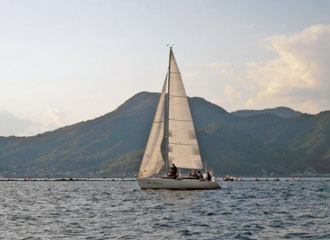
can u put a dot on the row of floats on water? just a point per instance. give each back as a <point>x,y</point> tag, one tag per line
<point>230,178</point>
<point>67,179</point>
<point>226,178</point>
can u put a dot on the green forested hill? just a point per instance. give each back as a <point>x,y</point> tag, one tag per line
<point>113,144</point>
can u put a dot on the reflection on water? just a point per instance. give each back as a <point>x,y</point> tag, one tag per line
<point>103,210</point>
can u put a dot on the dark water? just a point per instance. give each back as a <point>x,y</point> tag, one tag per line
<point>119,210</point>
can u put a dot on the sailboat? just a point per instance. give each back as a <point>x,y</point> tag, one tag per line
<point>173,121</point>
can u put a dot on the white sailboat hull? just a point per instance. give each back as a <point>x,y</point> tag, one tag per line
<point>177,184</point>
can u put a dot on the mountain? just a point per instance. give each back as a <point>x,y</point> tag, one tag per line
<point>113,144</point>
<point>283,112</point>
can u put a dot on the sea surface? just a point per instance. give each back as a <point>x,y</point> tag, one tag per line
<point>120,210</point>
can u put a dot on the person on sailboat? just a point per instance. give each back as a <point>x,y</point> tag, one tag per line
<point>208,176</point>
<point>199,175</point>
<point>174,171</point>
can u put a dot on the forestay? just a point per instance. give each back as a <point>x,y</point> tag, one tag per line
<point>152,161</point>
<point>183,145</point>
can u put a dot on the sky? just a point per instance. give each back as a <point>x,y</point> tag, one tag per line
<point>62,62</point>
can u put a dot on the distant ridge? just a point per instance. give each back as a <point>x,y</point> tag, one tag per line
<point>283,112</point>
<point>113,144</point>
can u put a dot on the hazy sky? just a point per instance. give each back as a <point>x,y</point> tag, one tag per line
<point>66,61</point>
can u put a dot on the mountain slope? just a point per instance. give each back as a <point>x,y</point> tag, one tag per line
<point>87,145</point>
<point>114,143</point>
<point>283,112</point>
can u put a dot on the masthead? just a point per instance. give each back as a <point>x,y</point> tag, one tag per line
<point>170,46</point>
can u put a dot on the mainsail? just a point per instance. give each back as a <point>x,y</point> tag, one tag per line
<point>152,161</point>
<point>183,148</point>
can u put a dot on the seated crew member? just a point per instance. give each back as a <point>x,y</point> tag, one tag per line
<point>199,175</point>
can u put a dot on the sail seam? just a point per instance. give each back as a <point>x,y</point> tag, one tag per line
<point>178,96</point>
<point>184,144</point>
<point>180,120</point>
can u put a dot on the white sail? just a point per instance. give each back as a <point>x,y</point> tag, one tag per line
<point>183,146</point>
<point>152,161</point>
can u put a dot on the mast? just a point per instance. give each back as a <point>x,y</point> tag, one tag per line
<point>168,109</point>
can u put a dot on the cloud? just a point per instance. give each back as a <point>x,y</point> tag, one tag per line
<point>232,94</point>
<point>223,67</point>
<point>50,120</point>
<point>11,125</point>
<point>300,74</point>
<point>190,75</point>
<point>53,119</point>
<point>232,85</point>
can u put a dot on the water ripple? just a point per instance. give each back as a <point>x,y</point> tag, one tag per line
<point>119,210</point>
